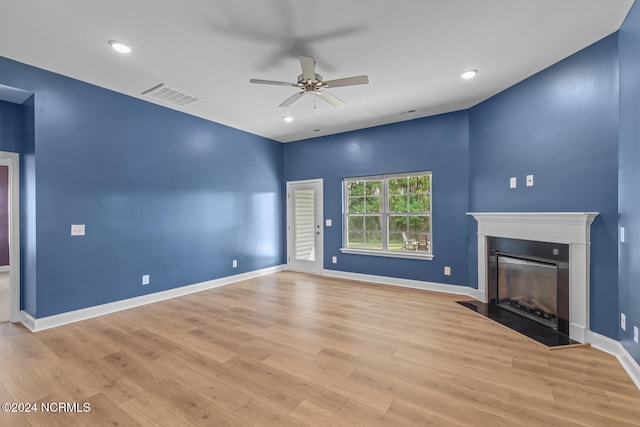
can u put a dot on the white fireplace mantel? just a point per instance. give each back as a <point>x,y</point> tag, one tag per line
<point>571,228</point>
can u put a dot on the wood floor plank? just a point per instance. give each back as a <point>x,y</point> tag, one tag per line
<point>288,383</point>
<point>256,413</point>
<point>344,386</point>
<point>296,349</point>
<point>309,413</point>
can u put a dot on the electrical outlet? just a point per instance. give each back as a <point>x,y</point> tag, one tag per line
<point>513,182</point>
<point>77,229</point>
<point>447,271</point>
<point>635,334</point>
<point>623,321</point>
<point>334,259</point>
<point>235,263</point>
<point>145,279</point>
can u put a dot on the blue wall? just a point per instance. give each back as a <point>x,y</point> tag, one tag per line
<point>629,177</point>
<point>161,193</point>
<point>10,127</point>
<point>561,125</point>
<point>438,144</point>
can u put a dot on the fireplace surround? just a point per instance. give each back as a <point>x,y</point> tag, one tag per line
<point>566,228</point>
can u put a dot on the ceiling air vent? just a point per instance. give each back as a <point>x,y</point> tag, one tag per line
<point>169,95</point>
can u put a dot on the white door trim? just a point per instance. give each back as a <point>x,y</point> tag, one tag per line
<point>12,160</point>
<point>319,253</point>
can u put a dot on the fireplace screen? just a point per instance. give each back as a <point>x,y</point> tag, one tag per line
<point>529,288</point>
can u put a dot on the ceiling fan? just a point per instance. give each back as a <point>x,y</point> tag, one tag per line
<point>311,82</point>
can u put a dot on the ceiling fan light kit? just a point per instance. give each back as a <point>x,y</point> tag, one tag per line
<point>311,82</point>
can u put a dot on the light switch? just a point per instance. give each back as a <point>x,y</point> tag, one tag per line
<point>529,180</point>
<point>327,223</point>
<point>621,234</point>
<point>513,182</point>
<point>77,229</point>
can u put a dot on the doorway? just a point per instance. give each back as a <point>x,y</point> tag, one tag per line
<point>9,238</point>
<point>305,239</point>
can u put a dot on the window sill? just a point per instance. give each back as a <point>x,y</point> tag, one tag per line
<point>391,254</point>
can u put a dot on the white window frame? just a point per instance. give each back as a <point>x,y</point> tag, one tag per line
<point>385,219</point>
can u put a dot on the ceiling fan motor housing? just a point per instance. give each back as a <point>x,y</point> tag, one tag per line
<point>310,86</point>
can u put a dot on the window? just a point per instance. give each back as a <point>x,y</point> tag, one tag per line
<point>388,215</point>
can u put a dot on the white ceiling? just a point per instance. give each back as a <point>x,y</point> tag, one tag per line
<point>412,50</point>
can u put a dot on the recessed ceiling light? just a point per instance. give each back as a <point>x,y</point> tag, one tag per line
<point>469,74</point>
<point>287,119</point>
<point>119,46</point>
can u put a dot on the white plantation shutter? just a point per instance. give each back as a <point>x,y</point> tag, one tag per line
<point>304,223</point>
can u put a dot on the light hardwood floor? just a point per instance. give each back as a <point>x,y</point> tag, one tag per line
<point>294,349</point>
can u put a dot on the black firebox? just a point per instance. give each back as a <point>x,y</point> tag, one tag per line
<point>530,279</point>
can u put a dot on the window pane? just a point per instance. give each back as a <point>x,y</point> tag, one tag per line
<point>399,234</point>
<point>304,224</point>
<point>355,188</point>
<point>373,223</point>
<point>396,242</point>
<point>398,185</point>
<point>373,240</point>
<point>419,203</point>
<point>356,239</point>
<point>398,223</point>
<point>356,223</point>
<point>420,184</point>
<point>374,188</point>
<point>373,205</point>
<point>419,224</point>
<point>398,204</point>
<point>355,205</point>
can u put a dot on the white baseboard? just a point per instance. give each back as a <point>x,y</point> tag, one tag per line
<point>40,324</point>
<point>615,348</point>
<point>28,320</point>
<point>407,283</point>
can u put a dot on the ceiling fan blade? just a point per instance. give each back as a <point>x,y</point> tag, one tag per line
<point>347,81</point>
<point>293,98</point>
<point>327,97</point>
<point>272,82</point>
<point>308,67</point>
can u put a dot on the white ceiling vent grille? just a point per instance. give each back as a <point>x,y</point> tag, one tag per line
<point>169,95</point>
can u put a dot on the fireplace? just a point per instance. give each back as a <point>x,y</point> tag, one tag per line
<point>530,279</point>
<point>570,229</point>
